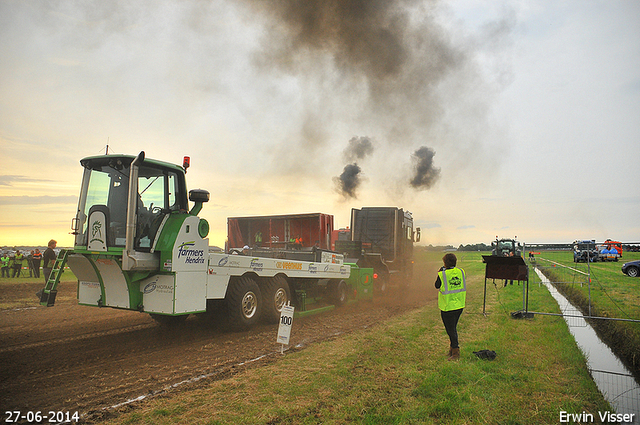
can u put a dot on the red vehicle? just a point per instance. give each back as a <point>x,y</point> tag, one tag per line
<point>290,231</point>
<point>340,235</point>
<point>613,245</point>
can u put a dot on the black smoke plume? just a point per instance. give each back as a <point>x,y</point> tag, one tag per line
<point>425,173</point>
<point>349,180</point>
<point>399,63</point>
<point>400,60</point>
<point>359,148</point>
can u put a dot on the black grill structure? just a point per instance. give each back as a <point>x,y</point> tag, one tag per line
<point>507,268</point>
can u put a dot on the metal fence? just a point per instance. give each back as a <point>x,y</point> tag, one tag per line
<point>616,383</point>
<point>620,389</point>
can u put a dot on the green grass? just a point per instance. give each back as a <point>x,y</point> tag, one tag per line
<point>19,292</point>
<point>612,292</point>
<point>397,373</point>
<point>609,293</point>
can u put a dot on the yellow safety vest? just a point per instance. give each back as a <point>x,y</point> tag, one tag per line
<point>453,291</point>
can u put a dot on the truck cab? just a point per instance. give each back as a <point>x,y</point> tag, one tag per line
<point>125,204</point>
<point>585,251</point>
<point>134,233</point>
<point>382,238</point>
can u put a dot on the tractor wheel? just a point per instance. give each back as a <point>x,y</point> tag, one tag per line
<point>633,272</point>
<point>165,320</point>
<point>216,312</point>
<point>244,303</point>
<point>276,294</point>
<point>339,293</point>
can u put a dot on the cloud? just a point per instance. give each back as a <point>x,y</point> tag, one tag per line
<point>430,226</point>
<point>37,200</point>
<point>8,180</point>
<point>466,227</point>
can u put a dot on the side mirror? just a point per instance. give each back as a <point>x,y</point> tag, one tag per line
<point>417,234</point>
<point>199,195</point>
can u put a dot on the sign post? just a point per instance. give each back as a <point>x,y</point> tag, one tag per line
<point>284,329</point>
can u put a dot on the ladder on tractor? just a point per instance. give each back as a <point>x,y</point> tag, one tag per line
<point>48,294</point>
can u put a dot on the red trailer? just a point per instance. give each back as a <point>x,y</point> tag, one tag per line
<point>290,231</point>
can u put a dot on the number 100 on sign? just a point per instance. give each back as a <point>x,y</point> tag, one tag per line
<point>286,320</point>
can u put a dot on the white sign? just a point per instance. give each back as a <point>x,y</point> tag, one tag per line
<point>286,320</point>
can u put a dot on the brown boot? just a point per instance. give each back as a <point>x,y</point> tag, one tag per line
<point>455,355</point>
<point>450,351</point>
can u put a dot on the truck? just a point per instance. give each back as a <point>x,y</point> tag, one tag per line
<point>585,251</point>
<point>610,250</point>
<point>343,234</point>
<point>382,238</point>
<point>139,245</point>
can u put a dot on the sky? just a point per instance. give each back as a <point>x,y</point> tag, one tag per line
<point>508,118</point>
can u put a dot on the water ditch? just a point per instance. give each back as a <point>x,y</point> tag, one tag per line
<point>613,379</point>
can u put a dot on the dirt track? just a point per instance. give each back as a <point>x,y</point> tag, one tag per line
<point>73,358</point>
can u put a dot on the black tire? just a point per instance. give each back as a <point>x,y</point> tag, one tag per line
<point>339,293</point>
<point>408,276</point>
<point>381,284</point>
<point>276,294</point>
<point>165,320</point>
<point>244,302</point>
<point>633,271</point>
<point>216,312</point>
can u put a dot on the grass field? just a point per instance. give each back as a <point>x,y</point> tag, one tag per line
<point>603,290</point>
<point>613,293</point>
<point>20,292</point>
<point>397,372</point>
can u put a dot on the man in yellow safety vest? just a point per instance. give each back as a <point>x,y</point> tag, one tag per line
<point>17,263</point>
<point>452,294</point>
<point>4,264</point>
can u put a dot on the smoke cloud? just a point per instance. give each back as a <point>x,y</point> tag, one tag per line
<point>349,180</point>
<point>372,53</point>
<point>359,148</point>
<point>426,174</point>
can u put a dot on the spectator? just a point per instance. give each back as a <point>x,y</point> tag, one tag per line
<point>452,287</point>
<point>49,258</point>
<point>17,263</point>
<point>30,263</point>
<point>37,259</point>
<point>4,263</point>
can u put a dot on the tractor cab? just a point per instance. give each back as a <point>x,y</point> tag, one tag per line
<point>506,248</point>
<point>125,202</point>
<point>133,232</point>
